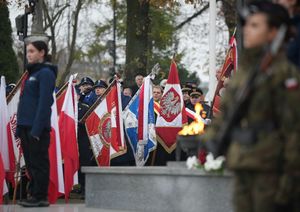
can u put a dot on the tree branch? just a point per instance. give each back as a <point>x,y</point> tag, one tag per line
<point>179,26</point>
<point>73,42</point>
<point>195,15</point>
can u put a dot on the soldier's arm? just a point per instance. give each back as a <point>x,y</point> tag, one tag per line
<point>288,115</point>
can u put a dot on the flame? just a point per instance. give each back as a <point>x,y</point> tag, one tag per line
<point>197,126</point>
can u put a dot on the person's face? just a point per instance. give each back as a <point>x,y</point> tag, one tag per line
<point>195,99</point>
<point>257,32</point>
<point>139,80</point>
<point>99,91</point>
<point>201,98</point>
<point>85,88</point>
<point>157,93</point>
<point>288,4</point>
<point>34,55</point>
<point>127,92</point>
<point>186,96</point>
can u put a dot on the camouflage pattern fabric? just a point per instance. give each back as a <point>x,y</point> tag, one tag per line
<point>266,142</point>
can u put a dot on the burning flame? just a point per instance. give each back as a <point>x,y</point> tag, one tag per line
<point>197,126</point>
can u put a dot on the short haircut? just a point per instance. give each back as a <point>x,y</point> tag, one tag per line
<point>158,87</point>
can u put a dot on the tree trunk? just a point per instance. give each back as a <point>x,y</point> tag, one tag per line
<point>229,10</point>
<point>37,19</point>
<point>136,39</point>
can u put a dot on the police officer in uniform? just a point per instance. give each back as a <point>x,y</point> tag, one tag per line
<point>86,90</point>
<point>186,90</point>
<point>86,157</point>
<point>264,152</point>
<point>196,96</point>
<point>99,89</point>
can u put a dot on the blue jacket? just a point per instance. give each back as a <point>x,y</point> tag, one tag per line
<point>34,109</point>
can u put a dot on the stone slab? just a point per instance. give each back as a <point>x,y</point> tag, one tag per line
<point>157,189</point>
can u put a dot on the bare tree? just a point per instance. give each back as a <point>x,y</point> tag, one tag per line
<point>72,49</point>
<point>52,18</point>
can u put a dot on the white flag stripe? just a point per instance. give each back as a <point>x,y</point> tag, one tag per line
<point>70,108</point>
<point>120,114</point>
<point>147,93</point>
<point>4,121</point>
<point>54,124</point>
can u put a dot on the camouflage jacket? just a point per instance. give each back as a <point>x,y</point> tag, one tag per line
<point>273,114</point>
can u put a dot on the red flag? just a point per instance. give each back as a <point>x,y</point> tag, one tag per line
<point>68,136</point>
<point>60,97</point>
<point>172,115</point>
<point>105,127</point>
<point>229,68</point>
<point>3,189</point>
<point>6,145</point>
<point>56,182</point>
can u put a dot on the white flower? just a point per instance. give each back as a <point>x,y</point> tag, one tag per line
<point>213,165</point>
<point>192,162</point>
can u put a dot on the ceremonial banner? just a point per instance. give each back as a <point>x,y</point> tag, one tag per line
<point>229,68</point>
<point>13,101</point>
<point>139,121</point>
<point>6,143</point>
<point>68,136</point>
<point>56,183</point>
<point>104,126</point>
<point>172,114</point>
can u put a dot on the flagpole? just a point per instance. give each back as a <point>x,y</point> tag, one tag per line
<point>212,49</point>
<point>60,91</point>
<point>14,90</point>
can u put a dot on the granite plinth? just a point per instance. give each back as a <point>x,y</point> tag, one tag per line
<point>157,189</point>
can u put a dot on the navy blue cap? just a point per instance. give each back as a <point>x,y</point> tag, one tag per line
<point>100,84</point>
<point>87,80</point>
<point>196,92</point>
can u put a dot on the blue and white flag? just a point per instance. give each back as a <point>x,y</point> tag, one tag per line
<point>139,121</point>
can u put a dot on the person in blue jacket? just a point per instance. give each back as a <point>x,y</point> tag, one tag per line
<point>86,91</point>
<point>33,121</point>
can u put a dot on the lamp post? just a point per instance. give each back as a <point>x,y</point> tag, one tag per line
<point>33,7</point>
<point>22,26</point>
<point>114,34</point>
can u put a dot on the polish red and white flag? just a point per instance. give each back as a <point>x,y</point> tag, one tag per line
<point>172,114</point>
<point>56,182</point>
<point>68,137</point>
<point>3,187</point>
<point>6,143</point>
<point>105,127</point>
<point>12,109</point>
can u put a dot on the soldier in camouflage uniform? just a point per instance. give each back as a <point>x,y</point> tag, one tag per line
<point>264,152</point>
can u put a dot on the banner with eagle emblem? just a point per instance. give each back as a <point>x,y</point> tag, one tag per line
<point>172,115</point>
<point>105,126</point>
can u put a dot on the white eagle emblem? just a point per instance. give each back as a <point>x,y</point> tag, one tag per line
<point>170,105</point>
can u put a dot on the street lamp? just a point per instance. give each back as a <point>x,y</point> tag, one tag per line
<point>22,25</point>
